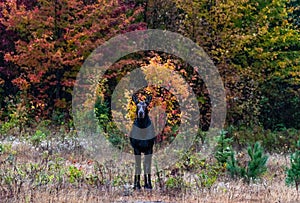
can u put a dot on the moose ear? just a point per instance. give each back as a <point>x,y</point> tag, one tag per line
<point>148,99</point>
<point>135,99</point>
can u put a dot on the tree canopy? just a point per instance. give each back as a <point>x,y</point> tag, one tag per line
<point>254,44</point>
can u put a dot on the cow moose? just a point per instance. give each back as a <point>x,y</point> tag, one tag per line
<point>142,139</point>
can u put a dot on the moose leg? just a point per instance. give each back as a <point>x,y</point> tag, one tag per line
<point>137,175</point>
<point>137,185</point>
<point>147,171</point>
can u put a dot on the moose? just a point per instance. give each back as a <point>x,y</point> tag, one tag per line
<point>142,139</point>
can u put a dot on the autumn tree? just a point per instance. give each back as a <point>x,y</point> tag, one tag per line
<point>54,38</point>
<point>256,50</point>
<point>7,37</point>
<point>272,55</point>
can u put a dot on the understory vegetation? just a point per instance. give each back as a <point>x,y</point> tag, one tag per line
<point>46,162</point>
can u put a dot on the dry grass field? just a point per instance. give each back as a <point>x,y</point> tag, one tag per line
<point>31,174</point>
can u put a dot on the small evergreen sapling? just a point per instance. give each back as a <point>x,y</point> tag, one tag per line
<point>223,148</point>
<point>256,165</point>
<point>232,166</point>
<point>293,173</point>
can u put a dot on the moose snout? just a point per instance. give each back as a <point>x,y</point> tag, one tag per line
<point>141,114</point>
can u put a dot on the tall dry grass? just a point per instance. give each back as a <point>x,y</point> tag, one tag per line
<point>271,188</point>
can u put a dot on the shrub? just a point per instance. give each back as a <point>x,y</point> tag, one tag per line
<point>38,137</point>
<point>102,112</point>
<point>175,182</point>
<point>277,107</point>
<point>75,174</point>
<point>208,177</point>
<point>5,148</point>
<point>115,136</point>
<point>293,173</point>
<point>223,149</point>
<point>232,166</point>
<point>256,165</point>
<point>272,141</point>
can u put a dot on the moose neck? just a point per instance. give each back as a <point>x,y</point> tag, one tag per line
<point>142,122</point>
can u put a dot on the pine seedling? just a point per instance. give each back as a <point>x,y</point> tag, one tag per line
<point>293,173</point>
<point>255,168</point>
<point>223,148</point>
<point>257,164</point>
<point>232,166</point>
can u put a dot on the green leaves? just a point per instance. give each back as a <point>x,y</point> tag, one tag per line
<point>38,137</point>
<point>252,43</point>
<point>75,174</point>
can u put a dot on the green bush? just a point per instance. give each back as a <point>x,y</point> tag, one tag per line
<point>38,137</point>
<point>208,176</point>
<point>16,116</point>
<point>175,182</point>
<point>102,112</point>
<point>115,136</point>
<point>5,148</point>
<point>233,166</point>
<point>190,161</point>
<point>7,126</point>
<point>293,173</point>
<point>223,149</point>
<point>75,174</point>
<point>256,165</point>
<point>280,105</point>
<point>271,141</point>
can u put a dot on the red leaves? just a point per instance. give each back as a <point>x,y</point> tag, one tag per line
<point>68,83</point>
<point>54,38</point>
<point>35,78</point>
<point>21,83</point>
